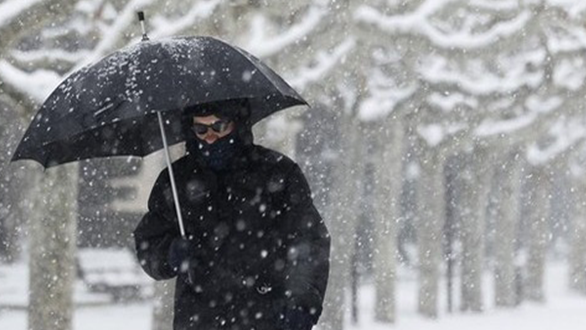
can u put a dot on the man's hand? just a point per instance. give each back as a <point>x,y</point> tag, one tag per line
<point>180,252</point>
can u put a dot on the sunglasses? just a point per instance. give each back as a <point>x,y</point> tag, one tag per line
<point>219,126</point>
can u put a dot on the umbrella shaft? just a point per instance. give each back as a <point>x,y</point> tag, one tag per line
<point>171,175</point>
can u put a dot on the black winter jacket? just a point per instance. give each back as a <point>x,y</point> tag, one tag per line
<point>262,247</point>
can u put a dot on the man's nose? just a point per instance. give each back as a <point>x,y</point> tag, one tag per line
<point>210,138</point>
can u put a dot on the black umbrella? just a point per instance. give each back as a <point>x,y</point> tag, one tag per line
<point>110,108</point>
<point>122,104</point>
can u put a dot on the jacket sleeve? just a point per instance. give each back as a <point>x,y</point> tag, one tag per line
<point>156,231</point>
<point>308,247</point>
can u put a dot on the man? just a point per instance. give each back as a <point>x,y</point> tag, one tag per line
<point>256,254</point>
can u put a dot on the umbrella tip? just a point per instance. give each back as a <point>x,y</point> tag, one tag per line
<point>141,20</point>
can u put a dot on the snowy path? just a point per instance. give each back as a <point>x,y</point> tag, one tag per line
<point>562,310</point>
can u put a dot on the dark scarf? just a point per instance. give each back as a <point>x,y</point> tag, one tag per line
<point>216,156</point>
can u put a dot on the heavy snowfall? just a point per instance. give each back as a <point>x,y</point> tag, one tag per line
<point>443,143</point>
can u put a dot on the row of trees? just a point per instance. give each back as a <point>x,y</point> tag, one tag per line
<point>497,88</point>
<point>477,103</point>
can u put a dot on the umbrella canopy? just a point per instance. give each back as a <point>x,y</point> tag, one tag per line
<point>111,108</point>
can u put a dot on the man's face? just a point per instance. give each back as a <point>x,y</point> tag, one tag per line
<point>215,128</point>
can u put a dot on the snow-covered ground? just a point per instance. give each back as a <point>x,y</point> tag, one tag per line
<point>563,310</point>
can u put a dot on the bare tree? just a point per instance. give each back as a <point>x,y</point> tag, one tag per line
<point>13,183</point>
<point>163,305</point>
<point>52,245</point>
<point>472,226</point>
<point>341,217</point>
<point>52,226</point>
<point>537,225</point>
<point>577,258</point>
<point>388,181</point>
<point>430,220</point>
<point>506,223</point>
<point>545,155</point>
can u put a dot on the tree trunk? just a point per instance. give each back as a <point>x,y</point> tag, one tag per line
<point>387,173</point>
<point>341,217</point>
<point>431,216</point>
<point>577,257</point>
<point>508,211</point>
<point>9,222</point>
<point>538,234</point>
<point>354,283</point>
<point>476,189</point>
<point>163,305</point>
<point>12,184</point>
<point>52,250</point>
<point>450,230</point>
<point>12,211</point>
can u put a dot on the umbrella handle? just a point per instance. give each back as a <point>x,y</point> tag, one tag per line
<point>141,20</point>
<point>171,175</point>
